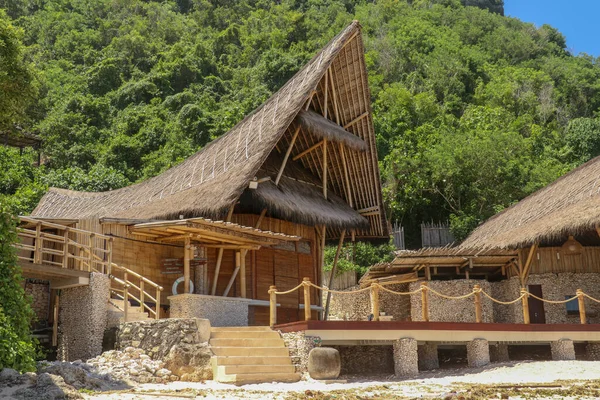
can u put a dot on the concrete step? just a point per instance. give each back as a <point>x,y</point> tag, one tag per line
<point>244,379</point>
<point>278,342</point>
<point>253,360</point>
<point>257,369</point>
<point>244,335</point>
<point>240,328</point>
<point>251,351</point>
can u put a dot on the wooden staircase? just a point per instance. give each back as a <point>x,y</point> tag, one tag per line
<point>118,311</point>
<point>250,354</point>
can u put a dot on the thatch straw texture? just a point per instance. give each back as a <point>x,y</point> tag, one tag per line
<point>570,205</point>
<point>327,129</point>
<point>208,183</point>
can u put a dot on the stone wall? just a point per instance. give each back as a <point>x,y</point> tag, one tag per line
<point>357,307</point>
<point>554,287</point>
<point>300,346</point>
<point>220,311</point>
<point>445,310</point>
<point>39,291</point>
<point>82,319</point>
<point>366,360</point>
<point>157,337</point>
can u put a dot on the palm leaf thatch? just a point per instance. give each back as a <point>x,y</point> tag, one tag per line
<point>209,182</point>
<point>568,206</point>
<point>327,129</point>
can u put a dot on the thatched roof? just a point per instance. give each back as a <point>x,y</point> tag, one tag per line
<point>327,129</point>
<point>208,183</point>
<point>568,206</point>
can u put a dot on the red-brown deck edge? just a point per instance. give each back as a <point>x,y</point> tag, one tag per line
<point>436,326</point>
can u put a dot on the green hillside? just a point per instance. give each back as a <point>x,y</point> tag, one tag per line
<point>473,110</point>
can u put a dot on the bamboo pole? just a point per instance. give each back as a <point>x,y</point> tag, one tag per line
<point>525,301</point>
<point>242,255</point>
<point>91,253</point>
<point>109,257</point>
<point>142,295</point>
<point>346,176</point>
<point>333,268</point>
<point>325,168</point>
<point>307,310</point>
<point>305,152</point>
<point>260,218</point>
<point>157,316</point>
<point>220,256</point>
<point>37,255</point>
<point>186,266</point>
<point>272,306</point>
<point>55,320</point>
<point>65,260</point>
<point>125,297</point>
<point>477,297</point>
<point>527,265</point>
<point>375,301</point>
<point>287,155</point>
<point>424,301</point>
<point>581,301</point>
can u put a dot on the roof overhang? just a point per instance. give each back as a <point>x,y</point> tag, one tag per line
<point>210,233</point>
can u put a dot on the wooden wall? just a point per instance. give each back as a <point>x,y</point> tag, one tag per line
<point>553,260</point>
<point>283,267</point>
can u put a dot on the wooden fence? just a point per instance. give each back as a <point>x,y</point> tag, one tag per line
<point>342,281</point>
<point>436,234</point>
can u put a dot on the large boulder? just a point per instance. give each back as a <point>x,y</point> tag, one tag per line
<point>190,362</point>
<point>324,363</point>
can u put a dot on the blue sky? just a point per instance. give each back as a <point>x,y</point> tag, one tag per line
<point>577,20</point>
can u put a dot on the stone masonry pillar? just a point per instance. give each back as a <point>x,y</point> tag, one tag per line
<point>562,349</point>
<point>82,319</point>
<point>499,352</point>
<point>478,353</point>
<point>428,357</point>
<point>405,357</point>
<point>592,351</point>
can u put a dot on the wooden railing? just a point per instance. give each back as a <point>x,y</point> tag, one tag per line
<point>77,249</point>
<point>425,291</point>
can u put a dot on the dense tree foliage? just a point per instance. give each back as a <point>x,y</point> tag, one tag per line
<point>17,349</point>
<point>473,110</point>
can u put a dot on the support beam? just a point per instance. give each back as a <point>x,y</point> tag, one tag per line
<point>325,168</point>
<point>67,283</point>
<point>355,120</point>
<point>346,176</point>
<point>287,155</point>
<point>333,269</point>
<point>186,266</point>
<point>525,272</point>
<point>260,218</point>
<point>220,257</point>
<point>234,275</point>
<point>305,152</point>
<point>243,272</point>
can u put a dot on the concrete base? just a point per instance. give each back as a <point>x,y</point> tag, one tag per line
<point>428,357</point>
<point>592,351</point>
<point>219,310</point>
<point>562,350</point>
<point>406,360</point>
<point>499,352</point>
<point>478,353</point>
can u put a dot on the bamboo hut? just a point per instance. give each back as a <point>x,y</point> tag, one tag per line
<point>255,207</point>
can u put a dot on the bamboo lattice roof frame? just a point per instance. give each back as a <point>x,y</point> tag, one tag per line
<point>333,84</point>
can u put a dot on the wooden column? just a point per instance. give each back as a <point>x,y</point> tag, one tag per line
<point>186,266</point>
<point>55,320</point>
<point>424,301</point>
<point>142,296</point>
<point>37,255</point>
<point>65,260</point>
<point>581,301</point>
<point>109,257</point>
<point>325,168</point>
<point>307,310</point>
<point>91,253</point>
<point>477,297</point>
<point>242,255</point>
<point>272,306</point>
<point>333,268</point>
<point>525,301</point>
<point>375,301</point>
<point>220,256</point>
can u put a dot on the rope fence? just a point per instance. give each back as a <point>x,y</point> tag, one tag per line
<point>425,291</point>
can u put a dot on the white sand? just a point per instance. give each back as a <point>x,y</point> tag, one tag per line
<point>431,384</point>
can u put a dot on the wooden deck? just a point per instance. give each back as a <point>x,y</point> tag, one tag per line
<point>60,278</point>
<point>385,332</point>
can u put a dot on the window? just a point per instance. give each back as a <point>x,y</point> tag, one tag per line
<point>572,306</point>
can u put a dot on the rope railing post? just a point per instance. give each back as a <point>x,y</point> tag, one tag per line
<point>424,301</point>
<point>125,299</point>
<point>525,300</point>
<point>375,301</point>
<point>307,310</point>
<point>91,253</point>
<point>37,252</point>
<point>272,306</point>
<point>581,301</point>
<point>477,297</point>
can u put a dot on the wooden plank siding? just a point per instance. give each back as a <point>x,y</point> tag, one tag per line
<point>284,268</point>
<point>553,260</point>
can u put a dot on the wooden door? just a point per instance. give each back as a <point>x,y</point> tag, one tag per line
<point>536,307</point>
